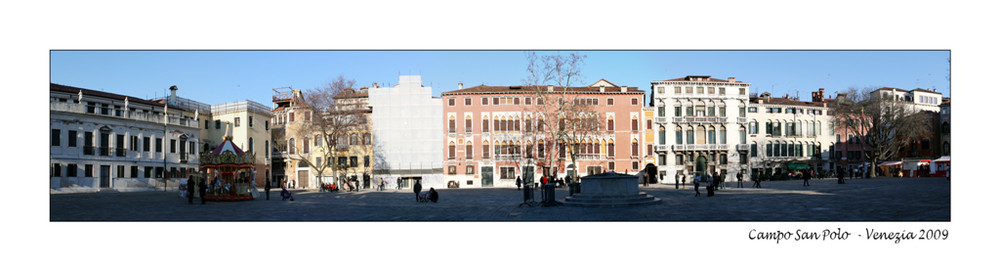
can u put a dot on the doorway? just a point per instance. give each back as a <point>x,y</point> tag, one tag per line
<point>105,176</point>
<point>701,165</point>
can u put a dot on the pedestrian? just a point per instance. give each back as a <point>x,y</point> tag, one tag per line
<point>711,184</point>
<point>518,182</point>
<point>756,180</point>
<point>434,196</point>
<point>416,190</point>
<point>399,184</point>
<point>267,190</point>
<point>201,190</point>
<point>714,180</point>
<point>645,178</point>
<point>190,189</point>
<point>722,180</point>
<point>805,177</point>
<point>840,176</point>
<point>684,180</point>
<point>697,178</point>
<point>677,180</point>
<point>739,179</point>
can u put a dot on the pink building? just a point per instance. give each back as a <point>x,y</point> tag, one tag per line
<point>494,134</point>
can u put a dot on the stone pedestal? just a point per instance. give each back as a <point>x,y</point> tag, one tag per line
<point>610,190</point>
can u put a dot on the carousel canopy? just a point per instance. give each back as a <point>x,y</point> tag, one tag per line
<point>227,154</point>
<point>943,159</point>
<point>890,163</point>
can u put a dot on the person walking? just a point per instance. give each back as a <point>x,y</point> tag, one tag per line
<point>190,189</point>
<point>399,184</point>
<point>714,180</point>
<point>267,190</point>
<point>711,184</point>
<point>696,179</point>
<point>201,190</point>
<point>756,180</point>
<point>518,182</point>
<point>677,180</point>
<point>739,179</point>
<point>840,175</point>
<point>805,177</point>
<point>416,190</point>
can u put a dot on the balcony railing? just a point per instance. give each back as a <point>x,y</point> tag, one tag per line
<point>88,150</point>
<point>662,148</point>
<point>120,152</point>
<point>741,119</point>
<point>103,151</point>
<point>742,147</point>
<point>700,147</point>
<point>700,119</point>
<point>661,119</point>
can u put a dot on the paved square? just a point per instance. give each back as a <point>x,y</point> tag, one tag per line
<point>884,199</point>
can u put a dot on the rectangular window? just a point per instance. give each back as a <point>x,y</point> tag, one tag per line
<point>147,171</point>
<point>451,170</point>
<point>354,161</point>
<point>470,170</point>
<point>527,100</point>
<point>468,101</point>
<point>133,172</point>
<point>236,122</point>
<point>679,137</point>
<point>55,137</point>
<point>753,150</point>
<point>496,100</point>
<point>517,100</point>
<point>218,124</point>
<point>71,140</point>
<point>677,111</point>
<point>134,143</point>
<point>120,172</point>
<point>486,101</point>
<point>159,145</point>
<point>173,146</point>
<point>88,171</point>
<point>743,91</point>
<point>689,90</point>
<point>635,101</point>
<point>711,90</point>
<point>266,125</point>
<point>56,170</point>
<point>71,170</point>
<point>611,101</point>
<point>145,144</point>
<point>701,90</point>
<point>690,137</point>
<point>677,90</point>
<point>711,111</point>
<point>752,109</point>
<point>660,90</point>
<point>611,166</point>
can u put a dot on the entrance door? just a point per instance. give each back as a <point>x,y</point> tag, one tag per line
<point>487,176</point>
<point>701,165</point>
<point>105,176</point>
<point>303,180</point>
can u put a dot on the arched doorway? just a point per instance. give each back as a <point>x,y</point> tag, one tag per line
<point>701,165</point>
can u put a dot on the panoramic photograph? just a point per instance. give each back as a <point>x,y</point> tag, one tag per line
<point>499,136</point>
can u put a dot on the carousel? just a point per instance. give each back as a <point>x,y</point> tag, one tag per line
<point>229,172</point>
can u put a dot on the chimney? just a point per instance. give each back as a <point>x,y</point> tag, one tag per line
<point>602,89</point>
<point>550,88</point>
<point>732,79</point>
<point>818,96</point>
<point>460,85</point>
<point>374,85</point>
<point>173,95</point>
<point>624,88</point>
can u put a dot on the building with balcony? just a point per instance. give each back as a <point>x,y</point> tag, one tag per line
<point>406,121</point>
<point>300,149</point>
<point>102,140</point>
<point>700,125</point>
<point>788,135</point>
<point>493,134</point>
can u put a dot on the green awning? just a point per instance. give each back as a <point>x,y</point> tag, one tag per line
<point>798,166</point>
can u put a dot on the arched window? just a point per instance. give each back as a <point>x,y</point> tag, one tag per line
<point>468,148</point>
<point>486,150</point>
<point>663,136</point>
<point>945,128</point>
<point>679,135</point>
<point>635,148</point>
<point>541,148</point>
<point>690,135</point>
<point>722,135</point>
<point>611,123</point>
<point>743,135</point>
<point>635,124</point>
<point>451,150</point>
<point>451,124</point>
<point>250,144</point>
<point>611,148</point>
<point>468,124</point>
<point>291,145</point>
<point>753,149</point>
<point>711,135</point>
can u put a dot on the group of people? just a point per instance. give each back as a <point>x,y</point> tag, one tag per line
<point>431,196</point>
<point>713,182</point>
<point>190,189</point>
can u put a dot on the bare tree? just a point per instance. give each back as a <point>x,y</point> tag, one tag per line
<point>562,117</point>
<point>328,119</point>
<point>885,124</point>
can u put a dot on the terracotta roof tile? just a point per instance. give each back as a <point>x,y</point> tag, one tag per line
<point>90,92</point>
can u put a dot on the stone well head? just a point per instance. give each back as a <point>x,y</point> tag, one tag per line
<point>610,184</point>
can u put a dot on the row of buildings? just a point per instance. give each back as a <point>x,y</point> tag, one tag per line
<point>480,136</point>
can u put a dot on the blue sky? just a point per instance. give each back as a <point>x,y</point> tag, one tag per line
<point>223,76</point>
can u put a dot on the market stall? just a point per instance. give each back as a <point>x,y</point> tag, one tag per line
<point>228,171</point>
<point>890,168</point>
<point>940,166</point>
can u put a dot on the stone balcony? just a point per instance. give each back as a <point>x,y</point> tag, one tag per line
<point>742,147</point>
<point>699,120</point>
<point>661,148</point>
<point>701,147</point>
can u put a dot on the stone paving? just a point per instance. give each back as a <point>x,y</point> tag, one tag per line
<point>884,199</point>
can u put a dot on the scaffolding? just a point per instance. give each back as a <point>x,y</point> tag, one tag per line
<point>240,106</point>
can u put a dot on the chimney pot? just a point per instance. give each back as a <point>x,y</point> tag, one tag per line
<point>732,79</point>
<point>459,85</point>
